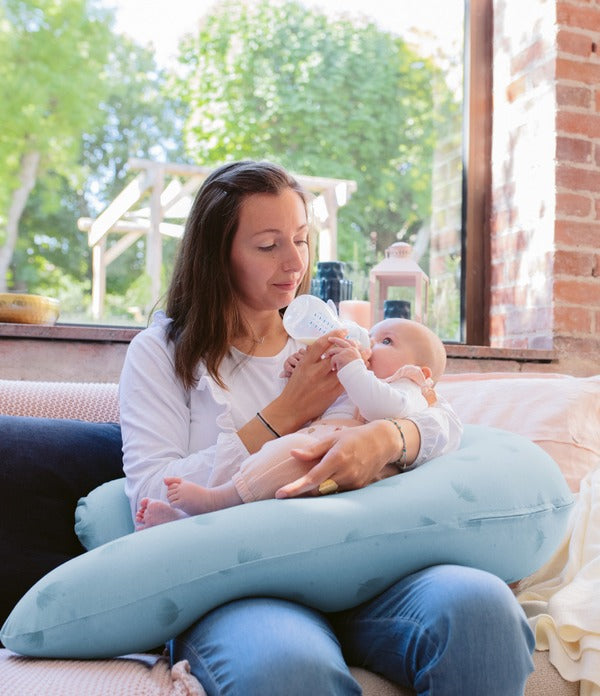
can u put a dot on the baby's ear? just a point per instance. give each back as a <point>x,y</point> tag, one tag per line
<point>427,372</point>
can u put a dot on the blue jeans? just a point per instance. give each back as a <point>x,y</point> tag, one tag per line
<point>445,631</point>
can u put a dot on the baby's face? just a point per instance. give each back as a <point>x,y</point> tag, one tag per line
<point>391,347</point>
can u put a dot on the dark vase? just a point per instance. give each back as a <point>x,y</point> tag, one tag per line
<point>329,282</point>
<point>396,308</point>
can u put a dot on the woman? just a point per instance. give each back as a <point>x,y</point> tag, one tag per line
<point>200,390</point>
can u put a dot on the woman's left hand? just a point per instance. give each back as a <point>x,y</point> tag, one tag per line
<point>352,457</point>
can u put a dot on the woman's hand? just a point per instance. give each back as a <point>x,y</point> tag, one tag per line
<point>353,456</point>
<point>312,387</point>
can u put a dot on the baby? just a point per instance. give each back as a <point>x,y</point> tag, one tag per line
<point>405,362</point>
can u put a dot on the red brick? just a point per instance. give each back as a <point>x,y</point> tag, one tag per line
<point>577,179</point>
<point>526,58</point>
<point>578,347</point>
<point>573,43</point>
<point>577,16</point>
<point>578,123</point>
<point>598,100</point>
<point>517,343</point>
<point>511,296</point>
<point>510,245</point>
<point>511,273</point>
<point>529,320</point>
<point>499,221</point>
<point>541,342</point>
<point>578,71</point>
<point>574,234</point>
<point>574,263</point>
<point>501,297</point>
<point>573,149</point>
<point>572,204</point>
<point>516,89</point>
<point>497,322</point>
<point>496,274</point>
<point>568,95</point>
<point>579,292</point>
<point>543,74</point>
<point>573,320</point>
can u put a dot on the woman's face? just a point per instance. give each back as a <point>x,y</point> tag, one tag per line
<point>269,253</point>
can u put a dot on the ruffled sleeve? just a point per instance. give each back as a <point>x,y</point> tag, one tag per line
<point>168,430</point>
<point>440,429</point>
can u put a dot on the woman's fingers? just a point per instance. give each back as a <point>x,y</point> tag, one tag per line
<point>312,387</point>
<point>313,478</point>
<point>353,457</point>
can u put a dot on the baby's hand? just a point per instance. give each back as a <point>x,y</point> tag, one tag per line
<point>291,362</point>
<point>344,351</point>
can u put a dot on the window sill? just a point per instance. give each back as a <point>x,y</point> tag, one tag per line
<point>464,352</point>
<point>69,332</point>
<point>117,334</point>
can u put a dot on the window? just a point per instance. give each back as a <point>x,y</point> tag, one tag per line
<point>371,96</point>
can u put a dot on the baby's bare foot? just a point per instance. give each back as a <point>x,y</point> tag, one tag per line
<point>189,497</point>
<point>196,500</point>
<point>153,512</point>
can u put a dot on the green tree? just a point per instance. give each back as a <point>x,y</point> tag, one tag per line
<point>334,98</point>
<point>52,58</point>
<point>137,118</point>
<point>141,119</point>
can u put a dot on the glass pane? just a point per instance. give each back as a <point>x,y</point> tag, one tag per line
<point>366,102</point>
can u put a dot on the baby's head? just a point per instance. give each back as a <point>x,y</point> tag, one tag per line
<point>399,342</point>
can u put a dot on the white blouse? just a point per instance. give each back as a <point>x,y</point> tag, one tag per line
<point>170,431</point>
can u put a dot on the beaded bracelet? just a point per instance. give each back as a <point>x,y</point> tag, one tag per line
<point>401,461</point>
<point>267,425</point>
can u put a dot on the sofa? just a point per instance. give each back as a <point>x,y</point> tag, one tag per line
<point>37,501</point>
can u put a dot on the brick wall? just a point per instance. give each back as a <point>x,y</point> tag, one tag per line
<point>445,242</point>
<point>545,236</point>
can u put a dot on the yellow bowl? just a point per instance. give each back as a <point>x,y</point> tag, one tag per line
<point>28,309</point>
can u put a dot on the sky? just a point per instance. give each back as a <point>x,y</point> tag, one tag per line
<point>163,22</point>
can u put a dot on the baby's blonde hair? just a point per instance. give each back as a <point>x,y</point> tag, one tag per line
<point>428,349</point>
<point>431,352</point>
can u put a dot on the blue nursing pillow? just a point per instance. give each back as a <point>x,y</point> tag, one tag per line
<point>499,503</point>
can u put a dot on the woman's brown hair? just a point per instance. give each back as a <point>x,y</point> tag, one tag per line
<point>201,299</point>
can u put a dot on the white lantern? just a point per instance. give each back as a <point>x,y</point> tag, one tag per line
<point>398,270</point>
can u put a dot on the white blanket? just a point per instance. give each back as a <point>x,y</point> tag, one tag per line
<point>562,600</point>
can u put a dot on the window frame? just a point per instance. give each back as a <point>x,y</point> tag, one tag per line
<point>477,174</point>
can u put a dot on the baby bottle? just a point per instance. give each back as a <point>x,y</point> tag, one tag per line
<point>308,317</point>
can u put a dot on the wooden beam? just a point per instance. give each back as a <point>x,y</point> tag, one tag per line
<point>153,238</point>
<point>169,167</point>
<point>312,183</point>
<point>98,279</point>
<point>120,246</point>
<point>190,187</point>
<point>119,206</point>
<point>168,229</point>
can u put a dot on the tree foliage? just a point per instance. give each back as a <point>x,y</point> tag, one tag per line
<point>134,117</point>
<point>327,97</point>
<point>140,119</point>
<point>52,56</point>
<point>334,98</point>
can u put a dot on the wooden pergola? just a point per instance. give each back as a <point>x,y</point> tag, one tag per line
<point>168,190</point>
